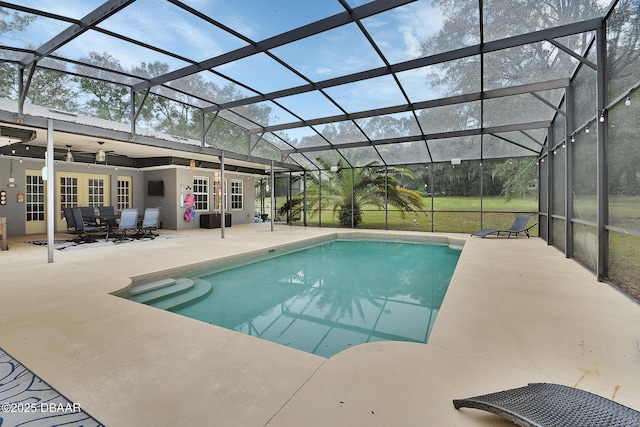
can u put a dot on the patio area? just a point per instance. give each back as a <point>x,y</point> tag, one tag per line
<point>517,311</point>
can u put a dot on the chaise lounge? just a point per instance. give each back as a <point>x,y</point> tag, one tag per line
<point>519,226</point>
<point>550,405</point>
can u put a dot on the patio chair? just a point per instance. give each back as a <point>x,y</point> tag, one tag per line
<point>87,232</point>
<point>106,210</point>
<point>71,224</point>
<point>519,226</point>
<point>150,223</point>
<point>89,215</point>
<point>544,404</point>
<point>128,222</point>
<point>108,218</point>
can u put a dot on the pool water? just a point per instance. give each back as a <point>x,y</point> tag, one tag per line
<point>330,297</point>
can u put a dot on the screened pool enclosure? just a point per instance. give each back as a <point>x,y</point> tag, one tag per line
<point>430,115</point>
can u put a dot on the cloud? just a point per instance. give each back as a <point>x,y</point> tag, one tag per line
<point>418,24</point>
<point>411,41</point>
<point>72,8</point>
<point>195,39</point>
<point>400,32</point>
<point>425,20</point>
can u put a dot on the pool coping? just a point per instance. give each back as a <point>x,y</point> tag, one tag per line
<point>237,260</point>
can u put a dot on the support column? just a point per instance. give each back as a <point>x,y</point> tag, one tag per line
<point>273,196</point>
<point>319,197</point>
<point>568,181</point>
<point>386,197</point>
<point>353,180</point>
<point>550,191</point>
<point>289,197</point>
<point>222,188</point>
<point>481,190</point>
<point>304,199</point>
<point>603,190</point>
<point>132,111</point>
<point>51,196</point>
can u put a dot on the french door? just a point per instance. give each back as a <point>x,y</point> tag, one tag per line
<point>80,189</point>
<point>34,203</point>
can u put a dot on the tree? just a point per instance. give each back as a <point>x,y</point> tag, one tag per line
<point>516,176</point>
<point>14,22</point>
<point>8,80</point>
<point>8,72</point>
<point>106,100</point>
<point>518,65</point>
<point>49,88</point>
<point>347,194</point>
<point>53,89</point>
<point>623,72</point>
<point>461,28</point>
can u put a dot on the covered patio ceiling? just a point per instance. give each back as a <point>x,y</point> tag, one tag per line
<point>308,84</point>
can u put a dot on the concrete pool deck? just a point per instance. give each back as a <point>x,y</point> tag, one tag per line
<point>516,312</point>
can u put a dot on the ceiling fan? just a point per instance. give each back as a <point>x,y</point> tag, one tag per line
<point>99,156</point>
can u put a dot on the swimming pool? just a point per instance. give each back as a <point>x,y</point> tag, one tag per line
<point>328,297</point>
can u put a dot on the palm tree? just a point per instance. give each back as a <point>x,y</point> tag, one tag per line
<point>347,190</point>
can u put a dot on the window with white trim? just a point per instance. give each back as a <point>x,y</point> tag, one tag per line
<point>123,190</point>
<point>236,194</point>
<point>201,193</point>
<point>68,194</point>
<point>34,190</point>
<point>96,189</point>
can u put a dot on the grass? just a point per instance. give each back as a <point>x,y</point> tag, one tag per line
<point>462,214</point>
<point>624,262</point>
<point>450,214</point>
<point>499,204</point>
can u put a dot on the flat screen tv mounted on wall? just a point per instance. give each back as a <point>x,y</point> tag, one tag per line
<point>155,188</point>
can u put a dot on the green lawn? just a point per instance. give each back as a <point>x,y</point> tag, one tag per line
<point>488,204</point>
<point>624,262</point>
<point>450,214</point>
<point>462,214</point>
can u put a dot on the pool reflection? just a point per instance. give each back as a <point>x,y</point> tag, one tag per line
<point>330,297</point>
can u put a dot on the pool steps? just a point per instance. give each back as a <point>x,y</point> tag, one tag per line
<point>156,293</point>
<point>139,289</point>
<point>168,294</point>
<point>200,289</point>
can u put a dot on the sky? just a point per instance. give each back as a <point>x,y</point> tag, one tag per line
<point>341,51</point>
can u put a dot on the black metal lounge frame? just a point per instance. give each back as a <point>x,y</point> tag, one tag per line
<point>519,226</point>
<point>551,405</point>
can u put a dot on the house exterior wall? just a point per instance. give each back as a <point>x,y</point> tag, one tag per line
<point>184,184</point>
<point>176,180</point>
<point>14,211</point>
<point>166,203</point>
<point>14,167</point>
